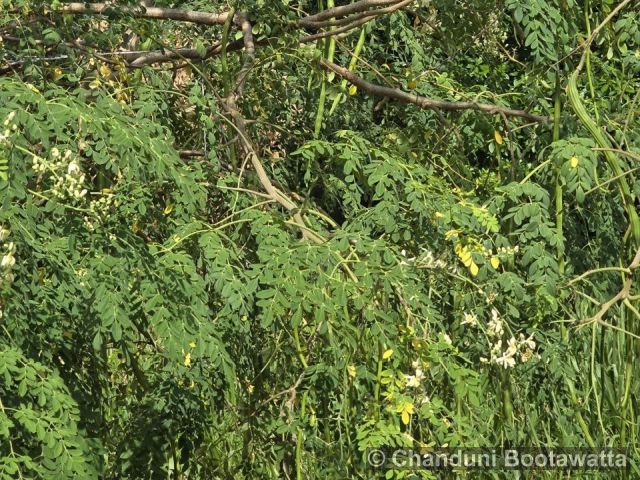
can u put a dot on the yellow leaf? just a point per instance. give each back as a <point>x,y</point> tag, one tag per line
<point>473,269</point>
<point>104,70</point>
<point>351,370</point>
<point>574,162</point>
<point>451,234</point>
<point>405,417</point>
<point>387,354</point>
<point>406,410</point>
<point>495,262</point>
<point>353,90</point>
<point>498,137</point>
<point>168,209</point>
<point>135,228</point>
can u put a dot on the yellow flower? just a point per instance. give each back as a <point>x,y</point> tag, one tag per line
<point>351,370</point>
<point>187,360</point>
<point>192,344</point>
<point>250,388</point>
<point>387,354</point>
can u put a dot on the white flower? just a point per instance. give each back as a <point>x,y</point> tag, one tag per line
<point>494,326</point>
<point>446,338</point>
<point>470,319</point>
<point>4,234</point>
<point>55,153</point>
<point>528,342</point>
<point>73,168</point>
<point>8,261</point>
<point>512,347</point>
<point>416,364</point>
<point>505,361</point>
<point>414,381</point>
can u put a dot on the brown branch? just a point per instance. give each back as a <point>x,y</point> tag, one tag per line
<point>426,102</point>
<point>249,48</point>
<point>204,18</point>
<point>335,32</point>
<point>344,10</point>
<point>229,103</point>
<point>623,294</point>
<point>370,15</point>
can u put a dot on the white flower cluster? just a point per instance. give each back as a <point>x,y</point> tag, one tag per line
<point>524,346</point>
<point>69,178</point>
<point>100,208</point>
<point>8,126</point>
<point>429,261</point>
<point>508,250</point>
<point>8,260</point>
<point>415,380</point>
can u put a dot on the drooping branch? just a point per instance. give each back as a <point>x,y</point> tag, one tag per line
<point>426,102</point>
<point>623,295</point>
<point>229,103</point>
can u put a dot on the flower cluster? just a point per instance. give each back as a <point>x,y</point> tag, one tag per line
<point>508,250</point>
<point>8,259</point>
<point>415,380</point>
<point>524,346</point>
<point>69,178</point>
<point>100,208</point>
<point>8,126</point>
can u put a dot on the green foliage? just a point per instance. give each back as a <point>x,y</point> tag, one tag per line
<point>163,317</point>
<point>39,423</point>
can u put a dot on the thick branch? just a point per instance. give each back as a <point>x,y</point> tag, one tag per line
<point>344,10</point>
<point>368,15</point>
<point>425,102</point>
<point>204,18</point>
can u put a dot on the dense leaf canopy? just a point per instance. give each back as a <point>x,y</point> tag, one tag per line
<point>255,239</point>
